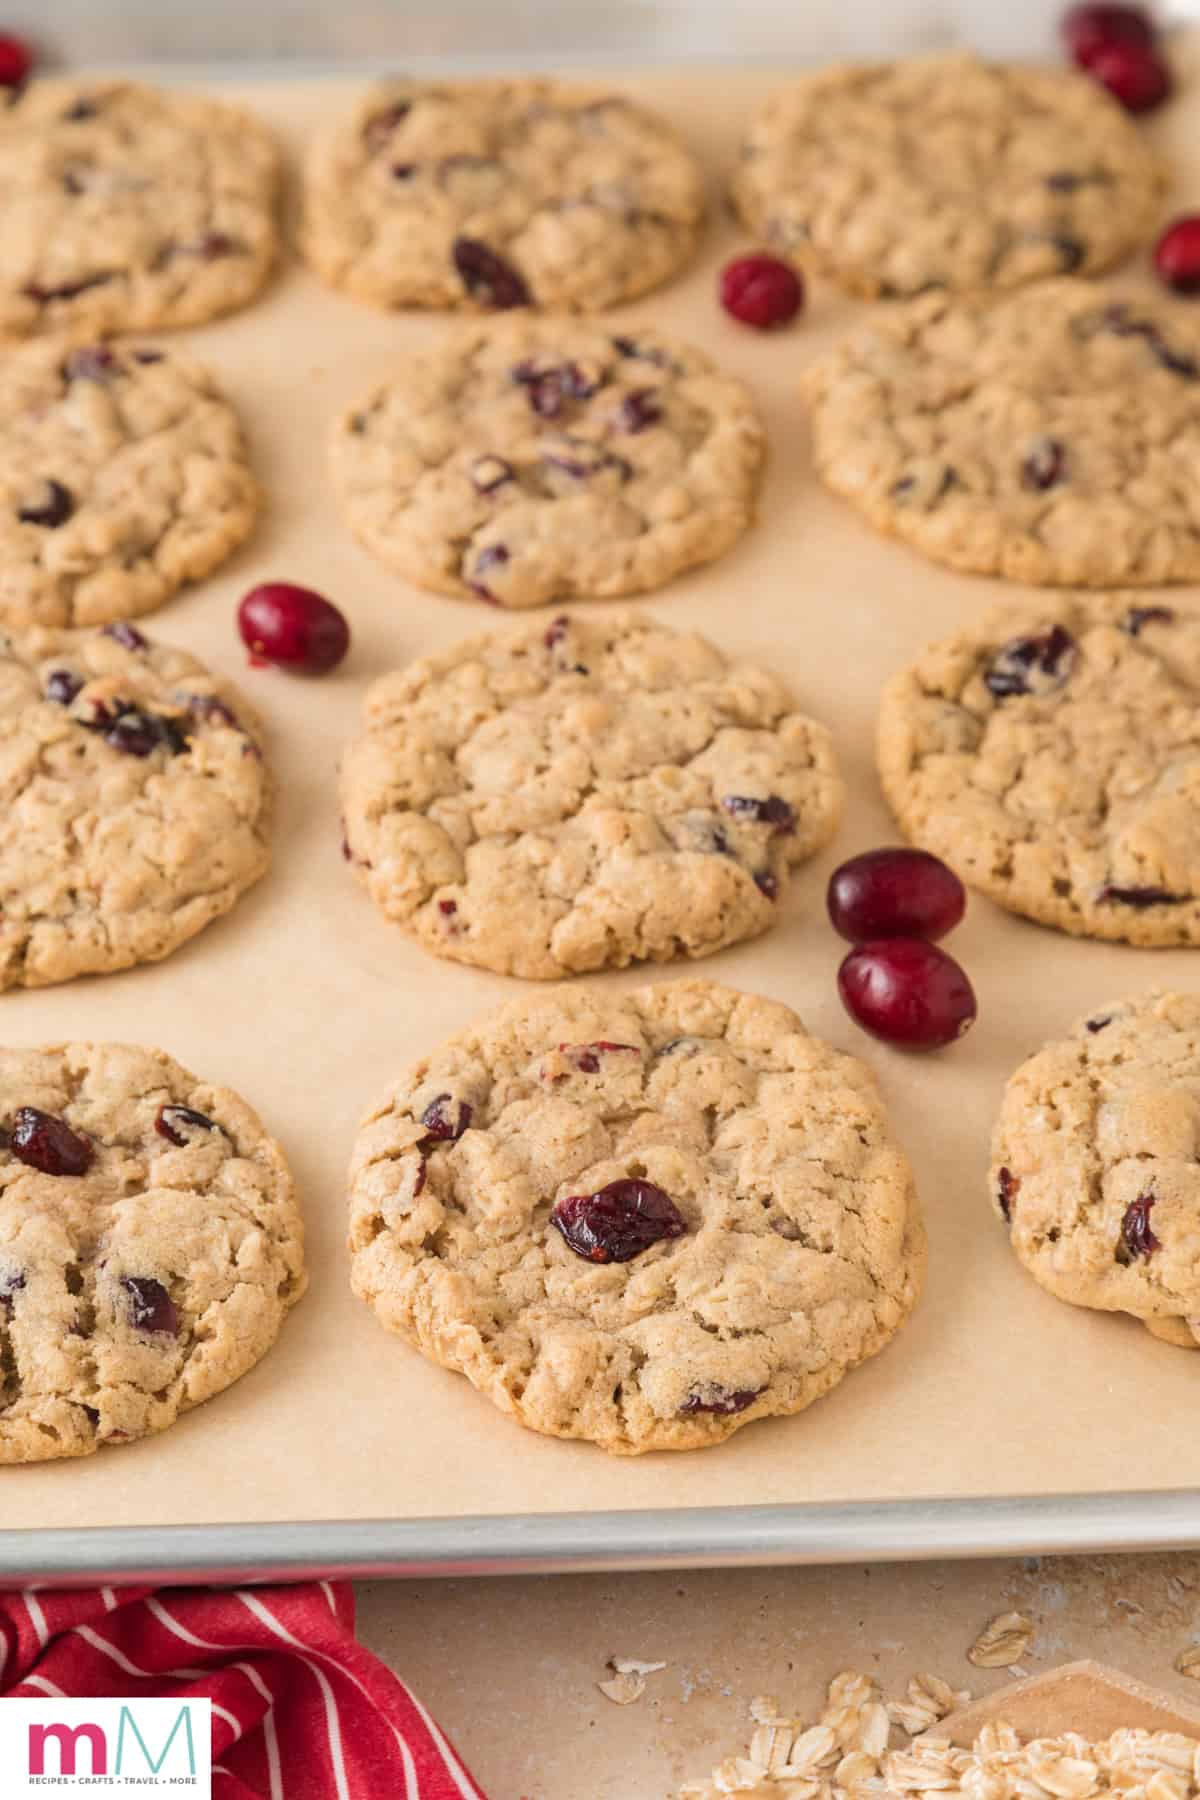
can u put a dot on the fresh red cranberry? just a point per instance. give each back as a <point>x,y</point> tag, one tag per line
<point>1177,255</point>
<point>1088,29</point>
<point>1031,665</point>
<point>293,627</point>
<point>62,686</point>
<point>177,1123</point>
<point>894,893</point>
<point>907,992</point>
<point>1007,1187</point>
<point>1139,616</point>
<point>445,1119</point>
<point>711,1397</point>
<point>16,60</point>
<point>1134,74</point>
<point>773,811</point>
<point>1137,1237</point>
<point>486,276</point>
<point>761,291</point>
<point>151,1308</point>
<point>48,1144</point>
<point>618,1222</point>
<point>52,507</point>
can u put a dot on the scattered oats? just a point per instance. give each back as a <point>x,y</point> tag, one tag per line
<point>623,1690</point>
<point>1188,1661</point>
<point>628,1665</point>
<point>1068,1777</point>
<point>1002,1642</point>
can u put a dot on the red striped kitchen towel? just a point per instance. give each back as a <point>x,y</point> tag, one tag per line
<point>300,1710</point>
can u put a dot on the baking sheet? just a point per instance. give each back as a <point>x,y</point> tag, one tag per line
<point>306,1001</point>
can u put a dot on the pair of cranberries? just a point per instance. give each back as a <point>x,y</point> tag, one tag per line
<point>891,905</point>
<point>1118,47</point>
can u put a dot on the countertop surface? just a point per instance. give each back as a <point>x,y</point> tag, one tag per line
<point>509,1667</point>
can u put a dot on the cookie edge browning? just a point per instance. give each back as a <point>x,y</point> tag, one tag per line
<point>701,1430</point>
<point>543,968</point>
<point>227,1103</point>
<point>1162,927</point>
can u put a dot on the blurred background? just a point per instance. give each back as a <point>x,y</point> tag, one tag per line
<point>402,33</point>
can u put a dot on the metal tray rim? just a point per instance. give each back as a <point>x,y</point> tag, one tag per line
<point>586,1542</point>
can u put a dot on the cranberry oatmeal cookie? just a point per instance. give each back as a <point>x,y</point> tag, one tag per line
<point>123,475</point>
<point>643,1219</point>
<point>127,208</point>
<point>1096,1164</point>
<point>582,795</point>
<point>136,802</point>
<point>947,172</point>
<point>493,194</point>
<point>539,459</point>
<point>1049,437</point>
<point>1051,756</point>
<point>150,1245</point>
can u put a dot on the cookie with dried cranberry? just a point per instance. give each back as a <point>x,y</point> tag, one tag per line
<point>136,802</point>
<point>644,1219</point>
<point>124,474</point>
<point>1049,437</point>
<point>534,460</point>
<point>494,194</point>
<point>127,208</point>
<point>947,172</point>
<point>1051,755</point>
<point>150,1245</point>
<point>582,795</point>
<point>1096,1163</point>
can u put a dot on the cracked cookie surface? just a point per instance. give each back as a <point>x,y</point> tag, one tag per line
<point>1096,1164</point>
<point>1049,437</point>
<point>1051,755</point>
<point>128,208</point>
<point>123,475</point>
<point>135,802</point>
<point>539,459</point>
<point>580,795</point>
<point>152,1276</point>
<point>796,1249</point>
<point>491,194</point>
<point>949,172</point>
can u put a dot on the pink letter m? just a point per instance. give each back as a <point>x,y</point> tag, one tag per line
<point>67,1738</point>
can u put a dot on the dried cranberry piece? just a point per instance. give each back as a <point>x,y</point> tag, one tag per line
<point>486,276</point>
<point>445,1119</point>
<point>761,291</point>
<point>68,290</point>
<point>586,1057</point>
<point>767,883</point>
<point>92,1414</point>
<point>213,711</point>
<point>380,126</point>
<point>1140,896</point>
<point>138,733</point>
<point>1007,1187</point>
<point>447,908</point>
<point>176,1122</point>
<point>489,473</point>
<point>403,171</point>
<point>773,811</point>
<point>86,107</point>
<point>639,410</point>
<point>62,686</point>
<point>618,1222</point>
<point>91,363</point>
<point>556,631</point>
<point>550,386</point>
<point>1095,1025</point>
<point>711,1397</point>
<point>1119,320</point>
<point>627,346</point>
<point>128,636</point>
<point>149,356</point>
<point>1138,616</point>
<point>45,1142</point>
<point>1044,465</point>
<point>209,246</point>
<point>54,508</point>
<point>151,1308</point>
<point>1031,663</point>
<point>492,556</point>
<point>11,1282</point>
<point>1137,1237</point>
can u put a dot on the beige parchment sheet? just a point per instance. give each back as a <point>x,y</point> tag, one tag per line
<point>307,1002</point>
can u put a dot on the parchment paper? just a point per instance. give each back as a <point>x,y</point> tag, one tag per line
<point>306,1001</point>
